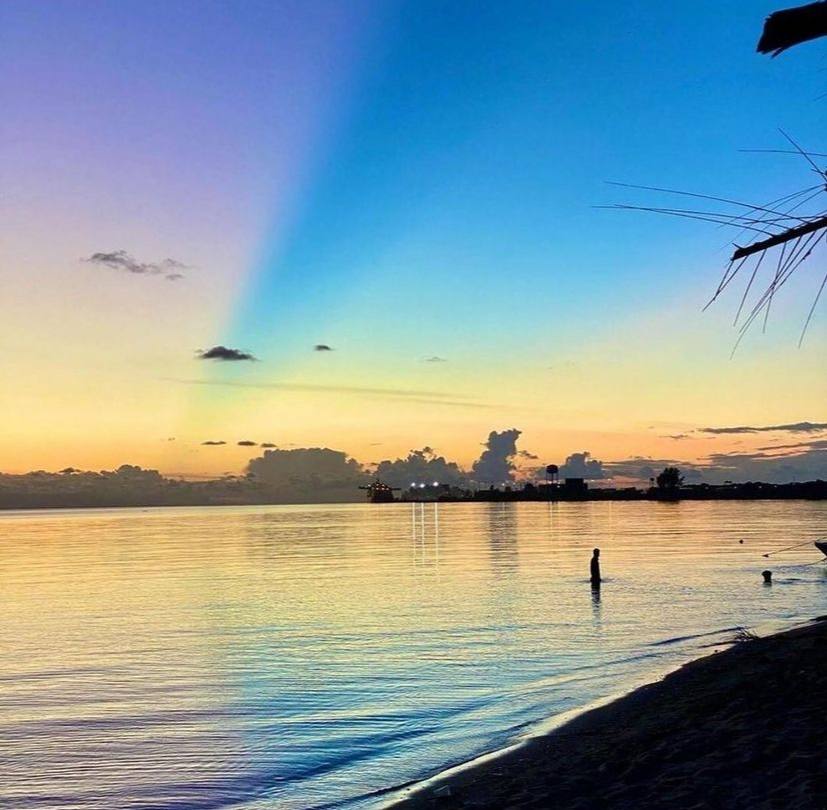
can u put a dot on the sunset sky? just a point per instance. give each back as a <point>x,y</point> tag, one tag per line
<point>412,185</point>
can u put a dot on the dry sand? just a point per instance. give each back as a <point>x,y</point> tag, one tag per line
<point>743,728</point>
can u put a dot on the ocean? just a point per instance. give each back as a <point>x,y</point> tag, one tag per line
<point>321,656</point>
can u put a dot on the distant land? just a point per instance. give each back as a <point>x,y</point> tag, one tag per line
<point>133,486</point>
<point>578,490</point>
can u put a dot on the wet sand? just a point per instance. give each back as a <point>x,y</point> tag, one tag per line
<point>742,728</point>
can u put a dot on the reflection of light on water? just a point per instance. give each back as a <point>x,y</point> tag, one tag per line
<point>302,655</point>
<point>425,535</point>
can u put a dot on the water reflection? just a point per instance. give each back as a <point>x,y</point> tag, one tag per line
<point>502,538</point>
<point>425,534</point>
<point>596,609</point>
<point>297,656</point>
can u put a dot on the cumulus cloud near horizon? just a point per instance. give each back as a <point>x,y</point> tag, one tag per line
<point>421,467</point>
<point>495,463</point>
<point>308,474</point>
<point>582,465</point>
<point>121,260</point>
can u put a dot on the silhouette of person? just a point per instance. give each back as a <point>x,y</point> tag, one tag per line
<point>595,568</point>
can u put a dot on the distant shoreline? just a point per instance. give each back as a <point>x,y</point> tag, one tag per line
<point>498,496</point>
<point>736,729</point>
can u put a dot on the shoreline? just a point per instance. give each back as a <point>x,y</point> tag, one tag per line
<point>88,506</point>
<point>727,729</point>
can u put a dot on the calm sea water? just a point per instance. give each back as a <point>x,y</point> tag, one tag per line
<point>314,656</point>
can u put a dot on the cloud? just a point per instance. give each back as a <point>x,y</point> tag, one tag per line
<point>121,260</point>
<point>582,465</point>
<point>322,347</point>
<point>525,454</point>
<point>495,462</point>
<point>808,465</point>
<point>778,464</point>
<point>309,474</point>
<point>421,467</point>
<point>435,359</point>
<point>247,443</point>
<point>793,427</point>
<point>813,444</point>
<point>642,468</point>
<point>676,436</point>
<point>214,443</point>
<point>268,445</point>
<point>408,395</point>
<point>224,354</point>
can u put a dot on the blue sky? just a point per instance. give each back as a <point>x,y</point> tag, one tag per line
<point>459,186</point>
<point>399,180</point>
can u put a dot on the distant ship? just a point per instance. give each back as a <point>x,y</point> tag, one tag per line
<point>379,492</point>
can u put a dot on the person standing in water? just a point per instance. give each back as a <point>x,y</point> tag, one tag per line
<point>595,568</point>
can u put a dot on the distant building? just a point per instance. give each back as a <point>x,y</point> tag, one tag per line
<point>572,486</point>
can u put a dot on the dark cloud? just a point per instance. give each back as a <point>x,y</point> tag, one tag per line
<point>526,455</point>
<point>214,443</point>
<point>121,260</point>
<point>793,427</point>
<point>582,465</point>
<point>495,463</point>
<point>247,443</point>
<point>642,468</point>
<point>421,467</point>
<point>814,444</point>
<point>435,359</point>
<point>676,436</point>
<point>808,465</point>
<point>309,474</point>
<point>268,445</point>
<point>226,354</point>
<point>778,464</point>
<point>322,347</point>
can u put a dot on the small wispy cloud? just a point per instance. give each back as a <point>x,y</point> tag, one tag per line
<point>322,347</point>
<point>676,436</point>
<point>435,359</point>
<point>170,269</point>
<point>791,427</point>
<point>225,354</point>
<point>268,445</point>
<point>213,443</point>
<point>406,395</point>
<point>247,443</point>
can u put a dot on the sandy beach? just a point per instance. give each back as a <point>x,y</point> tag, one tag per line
<point>741,728</point>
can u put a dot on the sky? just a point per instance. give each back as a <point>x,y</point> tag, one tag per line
<point>392,208</point>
